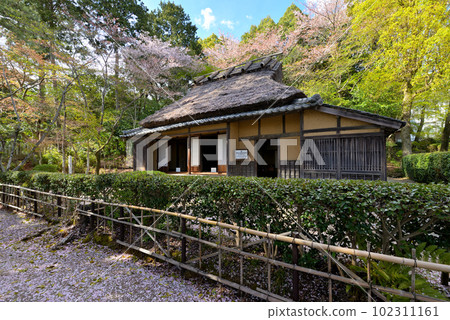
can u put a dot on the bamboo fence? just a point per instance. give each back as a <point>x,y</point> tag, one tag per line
<point>184,241</point>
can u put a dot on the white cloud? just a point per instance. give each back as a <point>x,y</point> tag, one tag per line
<point>208,19</point>
<point>228,23</point>
<point>249,17</point>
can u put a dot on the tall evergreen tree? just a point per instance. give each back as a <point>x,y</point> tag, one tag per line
<point>170,23</point>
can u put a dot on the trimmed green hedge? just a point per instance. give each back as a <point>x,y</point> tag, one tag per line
<point>46,168</point>
<point>350,212</point>
<point>428,167</point>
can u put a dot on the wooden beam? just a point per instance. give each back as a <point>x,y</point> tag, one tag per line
<point>189,151</point>
<point>383,161</point>
<point>302,125</point>
<point>218,130</point>
<point>338,124</point>
<point>361,117</point>
<point>338,129</point>
<point>271,136</point>
<point>228,148</point>
<point>353,135</point>
<point>302,138</point>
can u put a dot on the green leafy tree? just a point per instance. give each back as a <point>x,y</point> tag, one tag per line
<point>267,24</point>
<point>210,42</point>
<point>170,23</point>
<point>288,22</point>
<point>409,43</point>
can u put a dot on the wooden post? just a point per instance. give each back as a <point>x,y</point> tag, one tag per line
<point>183,241</point>
<point>241,257</point>
<point>130,234</point>
<point>97,219</point>
<point>269,256</point>
<point>200,246</point>
<point>35,202</point>
<point>3,195</point>
<point>330,283</point>
<point>295,274</point>
<point>142,230</point>
<point>444,278</point>
<point>228,148</point>
<point>168,237</point>
<point>413,275</point>
<point>220,250</point>
<point>302,138</point>
<point>58,203</point>
<point>111,215</point>
<point>91,218</point>
<point>189,152</point>
<point>122,226</point>
<point>369,279</point>
<point>18,198</point>
<point>154,225</point>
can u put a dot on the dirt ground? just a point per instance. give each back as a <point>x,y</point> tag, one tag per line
<point>31,271</point>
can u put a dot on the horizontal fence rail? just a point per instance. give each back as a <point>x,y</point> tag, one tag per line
<point>207,247</point>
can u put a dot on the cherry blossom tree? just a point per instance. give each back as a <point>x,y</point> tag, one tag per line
<point>314,38</point>
<point>153,63</point>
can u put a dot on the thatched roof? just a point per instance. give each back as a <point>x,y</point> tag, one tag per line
<point>296,105</point>
<point>249,87</point>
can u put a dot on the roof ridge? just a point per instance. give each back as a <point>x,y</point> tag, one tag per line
<point>261,63</point>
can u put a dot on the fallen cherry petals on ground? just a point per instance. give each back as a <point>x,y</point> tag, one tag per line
<point>31,271</point>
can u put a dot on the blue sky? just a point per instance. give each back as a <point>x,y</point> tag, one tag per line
<point>232,17</point>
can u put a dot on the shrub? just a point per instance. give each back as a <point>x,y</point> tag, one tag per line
<point>428,167</point>
<point>46,168</point>
<point>388,215</point>
<point>52,156</point>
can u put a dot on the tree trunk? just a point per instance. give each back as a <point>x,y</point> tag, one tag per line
<point>421,124</point>
<point>446,131</point>
<point>116,77</point>
<point>98,158</point>
<point>63,144</point>
<point>87,159</point>
<point>405,133</point>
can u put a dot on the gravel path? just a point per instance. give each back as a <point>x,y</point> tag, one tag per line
<point>30,271</point>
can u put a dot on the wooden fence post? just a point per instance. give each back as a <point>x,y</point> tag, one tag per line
<point>241,258</point>
<point>295,273</point>
<point>58,203</point>
<point>91,218</point>
<point>369,279</point>
<point>4,195</point>
<point>142,230</point>
<point>168,237</point>
<point>199,246</point>
<point>330,283</point>
<point>269,256</point>
<point>130,235</point>
<point>183,243</point>
<point>35,203</point>
<point>413,275</point>
<point>121,226</point>
<point>220,249</point>
<point>444,278</point>
<point>18,198</point>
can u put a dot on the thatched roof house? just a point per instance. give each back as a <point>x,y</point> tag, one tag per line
<point>245,121</point>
